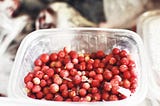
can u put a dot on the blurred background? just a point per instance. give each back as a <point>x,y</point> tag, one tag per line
<point>20,17</point>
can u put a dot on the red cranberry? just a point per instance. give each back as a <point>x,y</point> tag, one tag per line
<point>50,72</point>
<point>70,84</point>
<point>63,87</point>
<point>58,70</point>
<point>49,82</point>
<point>57,80</point>
<point>107,86</point>
<point>109,66</point>
<point>73,72</point>
<point>27,79</point>
<point>126,75</point>
<point>93,55</point>
<point>66,50</point>
<point>89,66</point>
<point>82,66</point>
<point>105,96</point>
<point>36,88</point>
<point>99,70</point>
<point>97,96</point>
<point>69,66</point>
<point>81,58</point>
<point>133,73</point>
<point>134,85</point>
<point>108,57</point>
<point>94,90</point>
<point>31,96</point>
<point>36,81</point>
<point>90,61</point>
<point>116,51</point>
<point>37,68</point>
<point>61,54</point>
<point>114,82</point>
<point>123,53</point>
<point>65,93</point>
<point>66,59</point>
<point>101,65</point>
<point>100,54</point>
<point>54,88</point>
<point>118,78</point>
<point>38,62</point>
<point>39,95</point>
<point>44,58</point>
<point>113,98</point>
<point>133,80</point>
<point>52,64</point>
<point>115,70</point>
<point>64,73</point>
<point>124,61</point>
<point>126,83</point>
<point>58,98</point>
<point>99,77</point>
<point>112,60</point>
<point>29,85</point>
<point>44,68</point>
<point>75,61</point>
<point>82,92</point>
<point>45,77</point>
<point>86,85</point>
<point>86,58</point>
<point>77,79</point>
<point>43,83</point>
<point>131,64</point>
<point>46,90</point>
<point>53,57</point>
<point>58,64</point>
<point>95,83</point>
<point>92,74</point>
<point>88,98</point>
<point>73,54</point>
<point>123,68</point>
<point>72,94</point>
<point>96,63</point>
<point>76,98</point>
<point>39,74</point>
<point>114,89</point>
<point>49,96</point>
<point>68,100</point>
<point>107,74</point>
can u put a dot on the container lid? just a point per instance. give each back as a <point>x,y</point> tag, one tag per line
<point>148,27</point>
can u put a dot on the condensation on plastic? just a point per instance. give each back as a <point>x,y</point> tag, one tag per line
<point>148,27</point>
<point>123,13</point>
<point>79,39</point>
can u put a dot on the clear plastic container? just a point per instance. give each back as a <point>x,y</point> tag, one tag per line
<point>79,39</point>
<point>148,27</point>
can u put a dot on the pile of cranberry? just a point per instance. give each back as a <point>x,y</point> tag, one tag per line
<point>88,77</point>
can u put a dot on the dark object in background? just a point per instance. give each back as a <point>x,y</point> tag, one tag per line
<point>1,95</point>
<point>31,8</point>
<point>46,19</point>
<point>90,9</point>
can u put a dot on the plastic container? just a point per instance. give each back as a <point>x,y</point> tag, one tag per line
<point>79,39</point>
<point>148,27</point>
